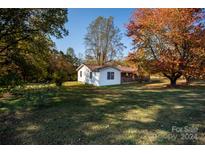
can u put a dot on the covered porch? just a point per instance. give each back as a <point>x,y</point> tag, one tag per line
<point>130,75</point>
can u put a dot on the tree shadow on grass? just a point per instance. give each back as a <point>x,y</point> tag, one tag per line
<point>107,115</point>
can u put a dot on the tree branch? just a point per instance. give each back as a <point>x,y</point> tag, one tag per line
<point>15,42</point>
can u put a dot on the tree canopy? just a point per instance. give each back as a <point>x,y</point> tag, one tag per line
<point>172,39</point>
<point>26,24</point>
<point>26,44</point>
<point>103,41</point>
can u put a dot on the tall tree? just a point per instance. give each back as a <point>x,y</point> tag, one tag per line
<point>103,41</point>
<point>72,58</point>
<point>59,68</point>
<point>25,41</point>
<point>171,38</point>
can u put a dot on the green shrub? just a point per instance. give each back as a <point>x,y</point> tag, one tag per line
<point>74,77</point>
<point>11,80</point>
<point>59,77</point>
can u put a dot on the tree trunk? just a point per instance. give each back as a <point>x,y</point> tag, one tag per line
<point>188,79</point>
<point>173,82</point>
<point>173,79</point>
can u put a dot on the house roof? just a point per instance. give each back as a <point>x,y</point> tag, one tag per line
<point>96,68</point>
<point>126,69</point>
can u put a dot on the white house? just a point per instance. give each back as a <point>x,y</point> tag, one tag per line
<point>105,75</point>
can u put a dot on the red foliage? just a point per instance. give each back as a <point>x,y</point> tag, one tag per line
<point>173,39</point>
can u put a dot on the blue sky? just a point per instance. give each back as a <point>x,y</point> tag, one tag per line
<point>78,21</point>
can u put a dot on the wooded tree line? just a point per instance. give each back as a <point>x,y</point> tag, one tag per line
<point>27,52</point>
<point>167,41</point>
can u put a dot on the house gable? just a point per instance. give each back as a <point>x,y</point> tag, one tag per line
<point>88,76</point>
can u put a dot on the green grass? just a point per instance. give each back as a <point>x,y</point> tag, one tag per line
<point>83,114</point>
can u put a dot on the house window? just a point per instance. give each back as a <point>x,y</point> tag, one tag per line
<point>91,75</point>
<point>80,73</point>
<point>110,75</point>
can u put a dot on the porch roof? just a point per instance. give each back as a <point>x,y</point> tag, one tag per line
<point>125,69</point>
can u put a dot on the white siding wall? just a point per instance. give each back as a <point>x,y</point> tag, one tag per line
<point>103,77</point>
<point>99,78</point>
<point>95,79</point>
<point>86,76</point>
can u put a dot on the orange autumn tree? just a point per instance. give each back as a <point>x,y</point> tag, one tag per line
<point>173,39</point>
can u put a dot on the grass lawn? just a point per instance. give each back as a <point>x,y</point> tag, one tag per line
<point>82,114</point>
